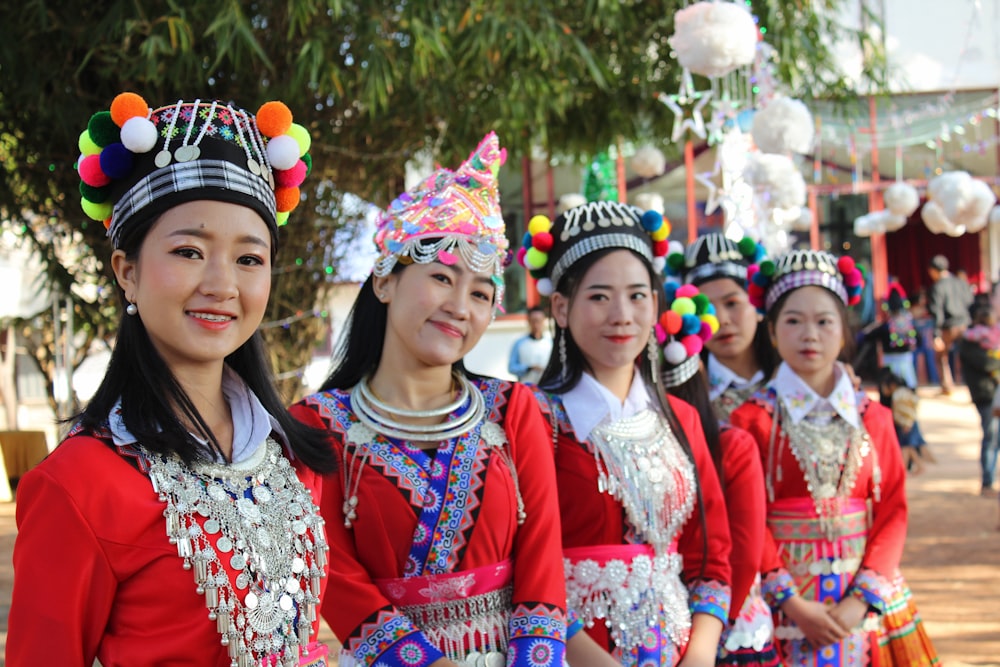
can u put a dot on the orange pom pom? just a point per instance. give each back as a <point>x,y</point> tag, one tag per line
<point>286,199</point>
<point>128,105</point>
<point>107,223</point>
<point>274,119</point>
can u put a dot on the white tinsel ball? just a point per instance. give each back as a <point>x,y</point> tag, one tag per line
<point>785,125</point>
<point>544,286</point>
<point>714,38</point>
<point>901,199</point>
<point>283,152</point>
<point>650,201</point>
<point>674,352</point>
<point>649,162</point>
<point>139,135</point>
<point>776,180</point>
<point>568,201</point>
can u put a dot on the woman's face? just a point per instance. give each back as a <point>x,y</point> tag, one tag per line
<point>436,312</point>
<point>809,335</point>
<point>611,314</point>
<point>201,281</point>
<point>738,320</point>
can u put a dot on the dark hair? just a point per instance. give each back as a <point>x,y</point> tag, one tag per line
<point>847,352</point>
<point>981,313</point>
<point>695,392</point>
<point>552,379</point>
<point>359,348</point>
<point>764,353</point>
<point>939,263</point>
<point>155,406</point>
<point>536,309</point>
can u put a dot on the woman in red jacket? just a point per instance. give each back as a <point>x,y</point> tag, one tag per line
<point>644,529</point>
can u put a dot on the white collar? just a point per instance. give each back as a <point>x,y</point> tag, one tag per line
<point>799,398</point>
<point>589,403</point>
<point>251,422</point>
<point>720,378</point>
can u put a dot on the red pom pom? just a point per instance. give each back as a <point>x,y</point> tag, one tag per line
<point>286,198</point>
<point>128,105</point>
<point>688,291</point>
<point>91,173</point>
<point>854,300</point>
<point>543,241</point>
<point>107,223</point>
<point>753,289</point>
<point>752,270</point>
<point>274,119</point>
<point>660,248</point>
<point>671,322</point>
<point>853,278</point>
<point>692,344</point>
<point>291,178</point>
<point>845,264</point>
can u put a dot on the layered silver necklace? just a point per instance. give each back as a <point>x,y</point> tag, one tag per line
<point>260,520</point>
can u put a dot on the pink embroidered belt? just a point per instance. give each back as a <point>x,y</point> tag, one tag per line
<point>795,520</point>
<point>465,614</point>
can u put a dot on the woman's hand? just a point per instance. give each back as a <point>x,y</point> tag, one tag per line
<point>703,647</point>
<point>583,651</point>
<point>814,620</point>
<point>443,662</point>
<point>849,612</point>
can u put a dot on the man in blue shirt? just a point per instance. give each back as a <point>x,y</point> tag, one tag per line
<point>530,353</point>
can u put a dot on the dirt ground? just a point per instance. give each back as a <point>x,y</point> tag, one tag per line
<point>952,556</point>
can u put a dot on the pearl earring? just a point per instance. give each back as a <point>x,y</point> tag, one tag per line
<point>132,309</point>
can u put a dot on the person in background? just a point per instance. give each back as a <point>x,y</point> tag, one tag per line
<point>979,352</point>
<point>177,523</point>
<point>948,302</point>
<point>897,335</point>
<point>442,524</point>
<point>903,401</point>
<point>645,535</point>
<point>531,352</point>
<point>923,353</point>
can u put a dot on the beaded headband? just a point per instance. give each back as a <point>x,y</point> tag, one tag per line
<point>449,212</point>
<point>207,150</point>
<point>714,256</point>
<point>801,268</point>
<point>549,249</point>
<point>682,331</point>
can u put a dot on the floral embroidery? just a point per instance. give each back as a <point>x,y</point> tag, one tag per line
<point>711,597</point>
<point>778,586</point>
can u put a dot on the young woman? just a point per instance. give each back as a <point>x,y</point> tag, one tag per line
<point>644,529</point>
<point>739,357</point>
<point>836,503</point>
<point>177,522</point>
<point>749,639</point>
<point>443,529</point>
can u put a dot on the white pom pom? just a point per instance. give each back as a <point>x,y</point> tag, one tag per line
<point>675,247</point>
<point>894,222</point>
<point>544,286</point>
<point>783,126</point>
<point>902,199</point>
<point>650,201</point>
<point>659,263</point>
<point>649,162</point>
<point>283,152</point>
<point>776,179</point>
<point>674,352</point>
<point>139,135</point>
<point>957,203</point>
<point>714,38</point>
<point>934,217</point>
<point>568,201</point>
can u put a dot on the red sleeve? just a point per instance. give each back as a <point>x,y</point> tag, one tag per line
<point>708,524</point>
<point>57,557</point>
<point>743,480</point>
<point>889,514</point>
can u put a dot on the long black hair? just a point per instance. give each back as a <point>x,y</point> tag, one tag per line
<point>155,407</point>
<point>553,380</point>
<point>695,392</point>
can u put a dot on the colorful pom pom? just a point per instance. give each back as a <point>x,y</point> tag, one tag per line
<point>535,258</point>
<point>91,173</point>
<point>543,241</point>
<point>139,134</point>
<point>671,322</point>
<point>692,345</point>
<point>308,159</point>
<point>701,303</point>
<point>97,211</point>
<point>675,261</point>
<point>767,268</point>
<point>676,247</point>
<point>652,221</point>
<point>661,234</point>
<point>126,106</point>
<point>747,246</point>
<point>712,321</point>
<point>752,270</point>
<point>660,333</point>
<point>690,325</point>
<point>544,287</point>
<point>659,263</point>
<point>87,145</point>
<point>687,291</point>
<point>706,331</point>
<point>291,178</point>
<point>94,195</point>
<point>683,306</point>
<point>675,352</point>
<point>117,161</point>
<point>274,119</point>
<point>521,252</point>
<point>286,198</point>
<point>302,138</point>
<point>281,218</point>
<point>539,224</point>
<point>660,248</point>
<point>283,152</point>
<point>853,278</point>
<point>102,129</point>
<point>845,264</point>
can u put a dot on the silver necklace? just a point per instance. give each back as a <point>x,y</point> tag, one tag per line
<point>382,423</point>
<point>372,399</point>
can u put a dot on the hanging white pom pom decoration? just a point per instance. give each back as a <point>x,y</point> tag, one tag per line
<point>777,181</point>
<point>714,38</point>
<point>675,352</point>
<point>960,204</point>
<point>139,135</point>
<point>894,222</point>
<point>785,125</point>
<point>649,162</point>
<point>568,201</point>
<point>901,199</point>
<point>650,201</point>
<point>544,286</point>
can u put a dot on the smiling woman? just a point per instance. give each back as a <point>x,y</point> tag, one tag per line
<point>172,498</point>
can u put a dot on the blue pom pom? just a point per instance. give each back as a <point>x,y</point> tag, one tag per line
<point>856,289</point>
<point>690,325</point>
<point>526,240</point>
<point>760,279</point>
<point>116,161</point>
<point>670,291</point>
<point>651,221</point>
<point>710,310</point>
<point>759,253</point>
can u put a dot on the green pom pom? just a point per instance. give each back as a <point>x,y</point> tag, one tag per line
<point>675,261</point>
<point>864,272</point>
<point>537,274</point>
<point>767,268</point>
<point>94,195</point>
<point>308,159</point>
<point>701,303</point>
<point>103,130</point>
<point>747,246</point>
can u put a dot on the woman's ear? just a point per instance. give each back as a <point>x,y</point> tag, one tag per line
<point>384,286</point>
<point>125,273</point>
<point>559,304</point>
